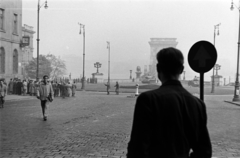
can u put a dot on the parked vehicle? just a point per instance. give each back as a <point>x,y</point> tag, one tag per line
<point>194,82</point>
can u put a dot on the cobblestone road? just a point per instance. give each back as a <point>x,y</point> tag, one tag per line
<point>97,125</point>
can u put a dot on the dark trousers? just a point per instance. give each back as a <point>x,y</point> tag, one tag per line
<point>2,101</point>
<point>44,105</point>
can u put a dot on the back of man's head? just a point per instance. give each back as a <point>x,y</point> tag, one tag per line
<point>170,62</point>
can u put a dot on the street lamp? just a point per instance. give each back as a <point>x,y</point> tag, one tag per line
<point>216,28</point>
<point>236,91</point>
<point>97,65</point>
<point>39,7</point>
<point>184,75</point>
<point>108,47</point>
<point>83,78</point>
<point>130,74</point>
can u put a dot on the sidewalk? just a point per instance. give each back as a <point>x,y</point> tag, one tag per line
<point>13,97</point>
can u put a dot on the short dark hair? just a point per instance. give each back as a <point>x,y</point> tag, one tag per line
<point>45,76</point>
<point>170,61</point>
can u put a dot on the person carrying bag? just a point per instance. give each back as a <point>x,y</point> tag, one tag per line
<point>45,94</point>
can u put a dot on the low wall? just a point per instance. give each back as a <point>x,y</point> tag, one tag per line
<point>118,80</point>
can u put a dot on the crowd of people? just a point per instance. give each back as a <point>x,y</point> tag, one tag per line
<point>29,87</point>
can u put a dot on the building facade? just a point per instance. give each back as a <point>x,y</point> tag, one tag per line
<point>156,44</point>
<point>11,45</point>
<point>27,48</point>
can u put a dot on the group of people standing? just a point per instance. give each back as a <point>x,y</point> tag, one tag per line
<point>64,89</point>
<point>22,87</point>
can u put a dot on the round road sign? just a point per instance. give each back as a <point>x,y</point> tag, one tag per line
<point>202,56</point>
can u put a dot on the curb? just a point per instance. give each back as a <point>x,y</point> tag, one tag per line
<point>105,91</point>
<point>238,104</point>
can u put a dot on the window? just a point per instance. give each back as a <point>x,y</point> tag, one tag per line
<point>15,23</point>
<point>15,62</point>
<point>1,19</point>
<point>2,60</point>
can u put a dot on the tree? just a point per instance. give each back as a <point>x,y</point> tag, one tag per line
<point>58,66</point>
<point>44,67</point>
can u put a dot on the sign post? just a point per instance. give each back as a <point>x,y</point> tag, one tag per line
<point>202,57</point>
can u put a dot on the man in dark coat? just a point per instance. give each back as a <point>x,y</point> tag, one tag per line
<point>169,122</point>
<point>19,87</point>
<point>14,86</point>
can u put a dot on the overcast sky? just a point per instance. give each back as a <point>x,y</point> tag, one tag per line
<point>129,25</point>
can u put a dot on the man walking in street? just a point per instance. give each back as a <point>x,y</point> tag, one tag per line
<point>3,92</point>
<point>117,88</point>
<point>45,94</point>
<point>108,87</point>
<point>169,121</point>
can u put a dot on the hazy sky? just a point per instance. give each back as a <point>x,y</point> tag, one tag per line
<point>129,25</point>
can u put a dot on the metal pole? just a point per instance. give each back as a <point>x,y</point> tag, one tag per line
<point>236,91</point>
<point>83,80</point>
<point>202,86</point>
<point>109,63</point>
<point>37,75</point>
<point>213,84</point>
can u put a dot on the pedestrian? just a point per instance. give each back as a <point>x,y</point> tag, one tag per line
<point>117,88</point>
<point>10,86</point>
<point>74,87</point>
<point>45,94</point>
<point>108,87</point>
<point>55,88</point>
<point>3,92</point>
<point>61,89</point>
<point>15,86</point>
<point>24,83</point>
<point>28,86</point>
<point>64,90</point>
<point>31,87</point>
<point>69,89</point>
<point>36,86</point>
<point>169,121</point>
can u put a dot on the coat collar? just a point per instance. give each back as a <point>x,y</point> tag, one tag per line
<point>172,82</point>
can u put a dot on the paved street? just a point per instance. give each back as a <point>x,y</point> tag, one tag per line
<point>94,124</point>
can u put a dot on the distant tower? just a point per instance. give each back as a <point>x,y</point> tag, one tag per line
<point>157,44</point>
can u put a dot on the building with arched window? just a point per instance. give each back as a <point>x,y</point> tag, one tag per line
<point>12,48</point>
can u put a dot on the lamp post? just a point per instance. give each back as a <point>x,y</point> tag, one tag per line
<point>97,65</point>
<point>130,74</point>
<point>108,47</point>
<point>39,7</point>
<point>184,75</point>
<point>83,78</point>
<point>216,28</point>
<point>236,90</point>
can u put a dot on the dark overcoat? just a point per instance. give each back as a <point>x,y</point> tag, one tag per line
<point>168,122</point>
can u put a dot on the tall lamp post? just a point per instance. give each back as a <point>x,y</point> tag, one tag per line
<point>83,78</point>
<point>236,90</point>
<point>184,75</point>
<point>108,47</point>
<point>216,29</point>
<point>130,74</point>
<point>39,7</point>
